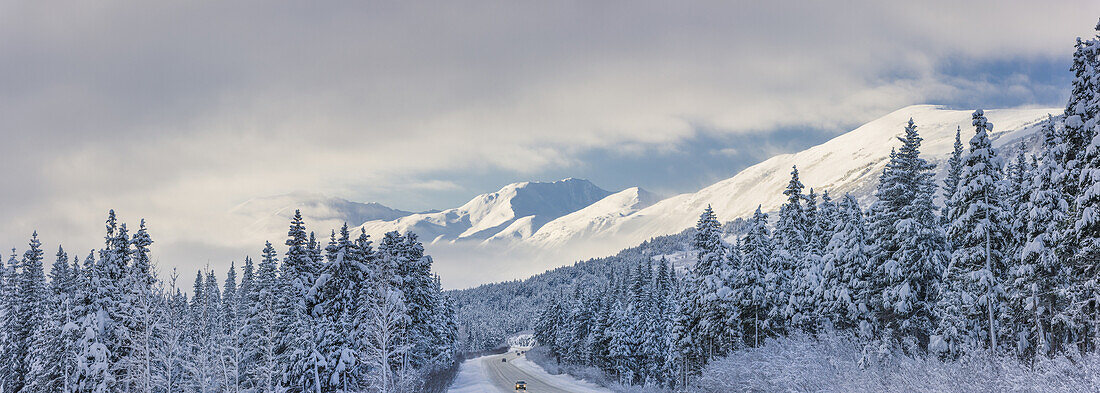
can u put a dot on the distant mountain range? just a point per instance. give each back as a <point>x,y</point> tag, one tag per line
<point>574,218</point>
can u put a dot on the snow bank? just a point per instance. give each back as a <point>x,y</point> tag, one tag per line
<point>832,364</point>
<point>472,378</point>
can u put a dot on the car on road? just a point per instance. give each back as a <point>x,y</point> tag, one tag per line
<point>521,385</point>
<point>503,360</point>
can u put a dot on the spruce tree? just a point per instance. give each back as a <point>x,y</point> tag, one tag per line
<point>263,325</point>
<point>754,281</point>
<point>846,298</point>
<point>788,258</point>
<point>297,354</point>
<point>26,310</point>
<point>710,285</point>
<point>48,360</point>
<point>974,296</point>
<point>336,307</point>
<point>951,179</point>
<point>910,276</point>
<point>9,344</point>
<point>1037,290</point>
<point>138,317</point>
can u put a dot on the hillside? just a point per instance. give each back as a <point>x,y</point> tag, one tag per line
<point>849,163</point>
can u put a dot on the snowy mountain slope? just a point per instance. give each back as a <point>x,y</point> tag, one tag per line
<point>848,163</point>
<point>515,211</point>
<point>593,219</point>
<point>271,214</point>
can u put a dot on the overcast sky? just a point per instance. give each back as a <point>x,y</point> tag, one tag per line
<point>177,111</point>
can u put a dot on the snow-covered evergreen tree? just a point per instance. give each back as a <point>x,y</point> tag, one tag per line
<point>710,284</point>
<point>139,318</point>
<point>973,304</point>
<point>8,344</point>
<point>911,274</point>
<point>263,323</point>
<point>335,308</point>
<point>51,357</point>
<point>28,302</point>
<point>951,179</point>
<point>788,257</point>
<point>754,280</point>
<point>845,299</point>
<point>1037,289</point>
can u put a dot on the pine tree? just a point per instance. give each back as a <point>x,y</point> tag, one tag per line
<point>171,359</point>
<point>1018,187</point>
<point>29,300</point>
<point>232,346</point>
<point>138,317</point>
<point>547,328</point>
<point>788,258</point>
<point>48,359</point>
<point>335,298</point>
<point>9,345</point>
<point>711,290</point>
<point>1080,117</point>
<point>847,273</point>
<point>297,354</point>
<point>620,348</point>
<point>951,180</point>
<point>247,300</point>
<point>444,329</point>
<point>973,303</point>
<point>263,321</point>
<point>754,281</point>
<point>1037,291</point>
<point>298,264</point>
<point>910,276</point>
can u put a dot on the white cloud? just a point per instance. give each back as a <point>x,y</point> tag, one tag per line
<point>176,112</point>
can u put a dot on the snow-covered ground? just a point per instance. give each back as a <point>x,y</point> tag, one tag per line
<point>839,364</point>
<point>472,378</point>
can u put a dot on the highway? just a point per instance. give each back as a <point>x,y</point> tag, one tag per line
<point>504,374</point>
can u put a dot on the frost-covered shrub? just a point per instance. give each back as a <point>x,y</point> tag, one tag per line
<point>840,364</point>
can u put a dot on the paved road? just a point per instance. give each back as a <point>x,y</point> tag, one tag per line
<point>504,375</point>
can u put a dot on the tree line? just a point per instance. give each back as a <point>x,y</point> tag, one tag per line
<point>1007,263</point>
<point>349,316</point>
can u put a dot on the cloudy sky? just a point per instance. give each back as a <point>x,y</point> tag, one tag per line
<point>178,111</point>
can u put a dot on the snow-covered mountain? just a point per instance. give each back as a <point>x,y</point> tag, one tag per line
<point>515,212</point>
<point>594,219</point>
<point>849,163</point>
<point>548,224</point>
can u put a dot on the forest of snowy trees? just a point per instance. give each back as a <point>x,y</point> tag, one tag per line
<point>1006,263</point>
<point>349,316</point>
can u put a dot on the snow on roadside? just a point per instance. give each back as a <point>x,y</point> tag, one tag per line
<point>472,378</point>
<point>563,381</point>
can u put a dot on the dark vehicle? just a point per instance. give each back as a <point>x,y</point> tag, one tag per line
<point>521,385</point>
<point>502,360</point>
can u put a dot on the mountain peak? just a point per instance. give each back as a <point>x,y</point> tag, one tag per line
<point>517,210</point>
